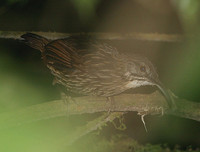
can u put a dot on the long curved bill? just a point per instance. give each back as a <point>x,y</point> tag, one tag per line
<point>165,92</point>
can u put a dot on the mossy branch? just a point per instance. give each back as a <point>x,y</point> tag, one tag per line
<point>152,103</point>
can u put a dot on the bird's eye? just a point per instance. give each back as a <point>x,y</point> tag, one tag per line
<point>143,69</point>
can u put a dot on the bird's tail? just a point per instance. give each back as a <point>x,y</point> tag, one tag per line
<point>35,41</point>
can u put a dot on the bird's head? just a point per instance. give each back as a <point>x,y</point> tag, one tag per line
<point>140,71</point>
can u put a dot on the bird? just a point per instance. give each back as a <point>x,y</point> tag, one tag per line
<point>88,67</point>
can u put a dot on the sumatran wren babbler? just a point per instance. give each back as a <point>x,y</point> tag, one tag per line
<point>90,68</point>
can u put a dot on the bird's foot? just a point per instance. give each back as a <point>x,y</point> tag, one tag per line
<point>156,111</point>
<point>153,110</point>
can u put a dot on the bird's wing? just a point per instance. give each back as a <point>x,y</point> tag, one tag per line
<point>88,68</point>
<point>68,54</point>
<point>61,56</point>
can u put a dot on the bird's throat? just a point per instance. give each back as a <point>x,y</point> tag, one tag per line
<point>138,83</point>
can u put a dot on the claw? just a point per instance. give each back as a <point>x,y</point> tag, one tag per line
<point>142,115</point>
<point>142,118</point>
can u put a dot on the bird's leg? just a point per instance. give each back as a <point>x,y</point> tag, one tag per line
<point>66,98</point>
<point>111,100</point>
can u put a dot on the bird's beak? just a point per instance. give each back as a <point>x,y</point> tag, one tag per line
<point>165,92</point>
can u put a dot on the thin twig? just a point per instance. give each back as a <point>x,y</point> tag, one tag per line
<point>104,36</point>
<point>151,103</point>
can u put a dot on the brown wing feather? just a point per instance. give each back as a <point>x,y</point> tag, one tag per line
<point>60,55</point>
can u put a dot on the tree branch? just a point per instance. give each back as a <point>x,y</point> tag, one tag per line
<point>150,103</point>
<point>104,36</point>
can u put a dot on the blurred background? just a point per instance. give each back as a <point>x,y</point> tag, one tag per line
<point>25,81</point>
